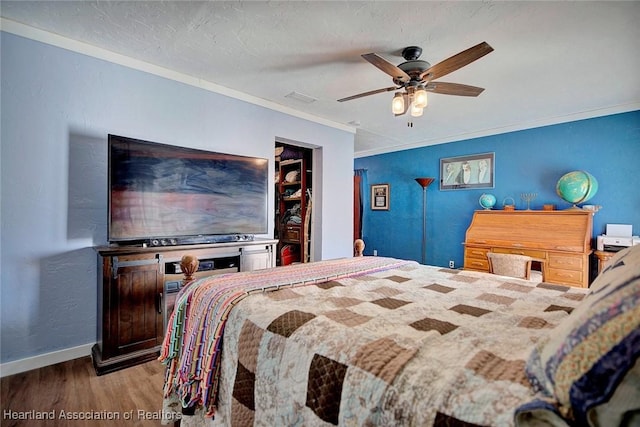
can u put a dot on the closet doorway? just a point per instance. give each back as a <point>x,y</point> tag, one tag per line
<point>293,203</point>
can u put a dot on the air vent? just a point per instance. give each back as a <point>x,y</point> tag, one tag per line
<point>301,97</point>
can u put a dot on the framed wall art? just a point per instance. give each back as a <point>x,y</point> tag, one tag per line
<point>380,197</point>
<point>467,172</point>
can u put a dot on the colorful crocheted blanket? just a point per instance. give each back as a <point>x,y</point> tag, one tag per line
<point>192,344</point>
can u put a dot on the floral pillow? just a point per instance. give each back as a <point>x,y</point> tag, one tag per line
<point>587,368</point>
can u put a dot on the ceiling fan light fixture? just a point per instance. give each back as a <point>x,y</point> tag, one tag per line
<point>412,78</point>
<point>420,97</point>
<point>397,104</point>
<point>416,111</point>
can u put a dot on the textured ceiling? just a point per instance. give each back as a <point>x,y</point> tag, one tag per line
<point>553,61</point>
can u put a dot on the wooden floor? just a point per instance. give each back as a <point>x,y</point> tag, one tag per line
<point>73,390</point>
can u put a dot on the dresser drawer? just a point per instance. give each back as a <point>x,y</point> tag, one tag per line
<point>476,264</point>
<point>568,262</point>
<point>569,277</point>
<point>476,259</point>
<point>479,253</point>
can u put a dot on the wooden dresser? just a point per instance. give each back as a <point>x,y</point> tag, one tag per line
<point>137,288</point>
<point>561,238</point>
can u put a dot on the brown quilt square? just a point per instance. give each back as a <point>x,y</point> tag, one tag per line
<point>554,307</point>
<point>383,358</point>
<point>283,294</point>
<point>439,288</point>
<point>465,279</point>
<point>243,387</point>
<point>390,303</point>
<point>328,285</point>
<point>428,324</point>
<point>387,291</point>
<point>494,368</point>
<point>573,297</point>
<point>532,322</point>
<point>241,415</point>
<point>397,279</point>
<point>510,286</point>
<point>559,288</point>
<point>496,299</point>
<point>347,317</point>
<point>287,323</point>
<point>324,388</point>
<point>344,301</point>
<point>249,344</point>
<point>470,310</point>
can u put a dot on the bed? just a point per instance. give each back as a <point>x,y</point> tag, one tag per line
<point>378,341</point>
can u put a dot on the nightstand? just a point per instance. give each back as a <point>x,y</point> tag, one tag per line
<point>603,259</point>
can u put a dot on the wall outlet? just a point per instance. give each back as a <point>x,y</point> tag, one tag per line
<point>375,252</point>
<point>452,264</point>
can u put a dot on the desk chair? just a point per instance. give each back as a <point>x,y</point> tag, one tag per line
<point>513,265</point>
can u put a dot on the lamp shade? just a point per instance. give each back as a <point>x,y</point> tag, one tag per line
<point>415,110</point>
<point>424,182</point>
<point>397,104</point>
<point>420,97</point>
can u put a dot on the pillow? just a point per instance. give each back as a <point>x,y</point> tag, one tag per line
<point>593,352</point>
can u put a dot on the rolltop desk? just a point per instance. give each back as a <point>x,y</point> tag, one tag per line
<point>561,239</point>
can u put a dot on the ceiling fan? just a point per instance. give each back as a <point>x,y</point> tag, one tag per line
<point>417,77</point>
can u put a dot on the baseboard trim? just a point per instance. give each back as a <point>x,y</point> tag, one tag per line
<point>42,360</point>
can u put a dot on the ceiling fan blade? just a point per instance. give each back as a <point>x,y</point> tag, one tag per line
<point>371,92</point>
<point>456,62</point>
<point>387,67</point>
<point>453,89</point>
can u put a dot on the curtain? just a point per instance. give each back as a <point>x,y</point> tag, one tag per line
<point>359,196</point>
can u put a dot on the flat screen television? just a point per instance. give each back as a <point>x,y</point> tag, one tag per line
<point>183,195</point>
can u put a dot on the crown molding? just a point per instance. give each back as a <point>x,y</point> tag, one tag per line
<point>56,40</point>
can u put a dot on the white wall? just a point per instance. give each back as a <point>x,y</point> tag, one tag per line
<point>57,108</point>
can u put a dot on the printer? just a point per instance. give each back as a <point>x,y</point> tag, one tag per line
<point>617,237</point>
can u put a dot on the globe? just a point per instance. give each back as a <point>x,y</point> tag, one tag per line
<point>577,187</point>
<point>487,201</point>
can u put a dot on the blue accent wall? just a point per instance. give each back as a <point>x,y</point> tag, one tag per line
<point>526,161</point>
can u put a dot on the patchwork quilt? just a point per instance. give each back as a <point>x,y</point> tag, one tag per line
<point>380,342</point>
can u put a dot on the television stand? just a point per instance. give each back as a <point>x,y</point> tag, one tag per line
<point>137,287</point>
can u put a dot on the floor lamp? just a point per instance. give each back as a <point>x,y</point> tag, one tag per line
<point>424,183</point>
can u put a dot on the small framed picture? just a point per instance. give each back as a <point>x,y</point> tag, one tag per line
<point>380,197</point>
<point>466,172</point>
